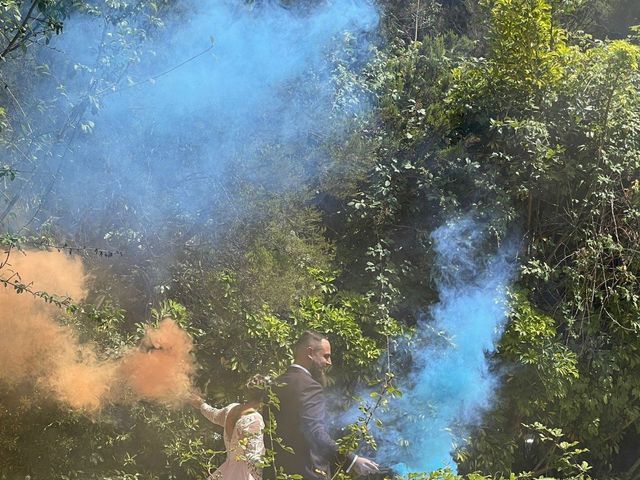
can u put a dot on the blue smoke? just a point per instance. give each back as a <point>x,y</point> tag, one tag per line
<point>449,382</point>
<point>186,128</point>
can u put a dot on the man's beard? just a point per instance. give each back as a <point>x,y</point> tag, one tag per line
<point>319,375</point>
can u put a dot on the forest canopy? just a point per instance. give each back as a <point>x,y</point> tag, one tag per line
<point>449,189</point>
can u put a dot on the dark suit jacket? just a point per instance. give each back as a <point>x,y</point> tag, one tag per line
<point>301,423</point>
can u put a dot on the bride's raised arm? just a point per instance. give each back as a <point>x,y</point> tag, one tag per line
<point>214,415</point>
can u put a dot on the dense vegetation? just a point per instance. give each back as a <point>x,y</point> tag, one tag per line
<point>523,114</point>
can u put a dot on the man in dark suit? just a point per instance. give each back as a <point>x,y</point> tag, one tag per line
<point>300,420</point>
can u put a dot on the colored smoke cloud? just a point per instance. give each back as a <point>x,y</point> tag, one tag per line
<point>157,162</point>
<point>41,354</point>
<point>449,382</point>
<point>162,369</point>
<point>246,113</point>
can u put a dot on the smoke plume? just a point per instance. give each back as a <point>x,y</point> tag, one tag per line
<point>38,352</point>
<point>227,94</point>
<point>449,382</point>
<point>162,368</point>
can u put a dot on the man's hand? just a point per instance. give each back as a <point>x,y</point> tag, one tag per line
<point>364,466</point>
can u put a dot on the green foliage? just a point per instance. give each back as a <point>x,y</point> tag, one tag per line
<point>519,117</point>
<point>548,366</point>
<point>558,130</point>
<point>524,63</point>
<point>25,23</point>
<point>543,130</point>
<point>563,456</point>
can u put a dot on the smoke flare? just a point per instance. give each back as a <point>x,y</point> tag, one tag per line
<point>162,368</point>
<point>37,351</point>
<point>449,382</point>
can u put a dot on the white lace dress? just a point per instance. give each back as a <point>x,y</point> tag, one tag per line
<point>244,444</point>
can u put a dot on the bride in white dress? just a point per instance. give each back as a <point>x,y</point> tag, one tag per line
<point>243,426</point>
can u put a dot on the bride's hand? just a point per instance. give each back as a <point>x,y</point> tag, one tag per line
<point>195,400</point>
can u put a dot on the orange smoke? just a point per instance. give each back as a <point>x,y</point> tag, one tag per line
<point>36,350</point>
<point>163,372</point>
